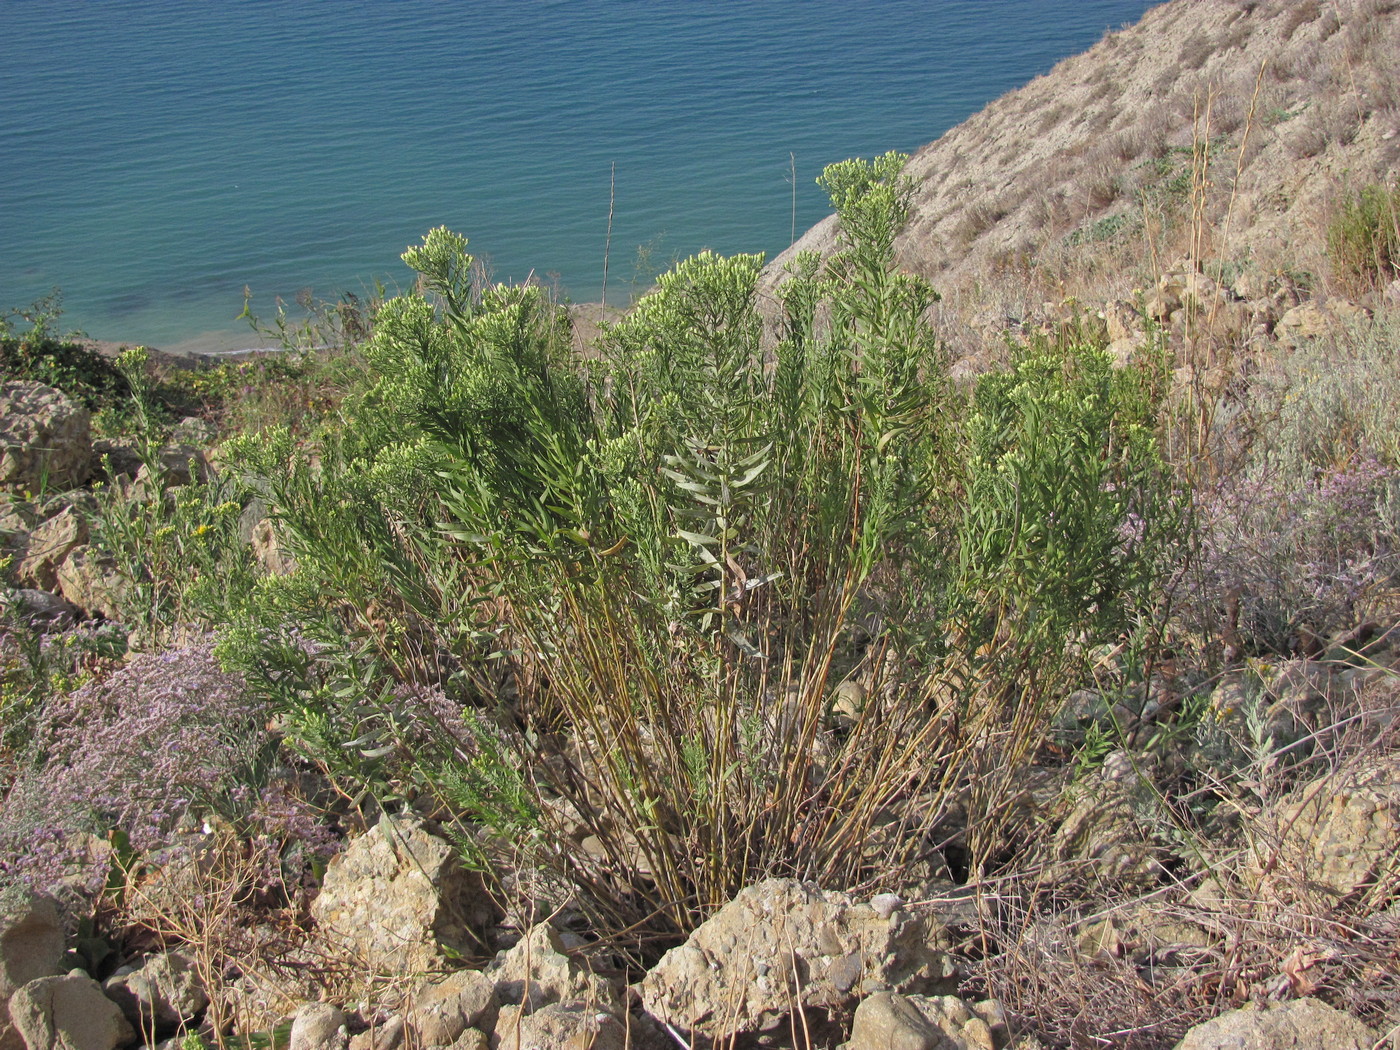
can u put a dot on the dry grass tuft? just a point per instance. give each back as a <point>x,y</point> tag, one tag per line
<point>1257,921</point>
<point>1196,50</point>
<point>1295,15</point>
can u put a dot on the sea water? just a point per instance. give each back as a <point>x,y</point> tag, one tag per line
<point>159,156</point>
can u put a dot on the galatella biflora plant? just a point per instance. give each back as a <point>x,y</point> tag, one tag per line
<point>691,597</point>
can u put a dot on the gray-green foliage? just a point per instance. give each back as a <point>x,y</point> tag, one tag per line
<point>1363,239</point>
<point>1063,482</point>
<point>645,573</point>
<point>176,547</point>
<point>1068,519</point>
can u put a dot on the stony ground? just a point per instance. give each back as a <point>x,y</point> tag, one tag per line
<point>1169,190</point>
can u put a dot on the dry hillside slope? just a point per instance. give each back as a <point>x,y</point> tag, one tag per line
<point>1214,135</point>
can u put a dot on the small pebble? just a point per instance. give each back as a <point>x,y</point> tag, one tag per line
<point>885,904</point>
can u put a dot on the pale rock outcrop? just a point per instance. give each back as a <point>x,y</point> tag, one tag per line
<point>889,1021</point>
<point>1281,711</point>
<point>40,609</point>
<point>115,460</point>
<point>1303,1023</point>
<point>68,1013</point>
<point>191,430</point>
<point>1339,833</point>
<point>782,945</point>
<point>163,993</point>
<point>444,1011</point>
<point>319,1026</point>
<point>49,545</point>
<point>1312,319</point>
<point>398,896</point>
<point>560,1026</point>
<point>174,465</point>
<point>31,947</point>
<point>387,1035</point>
<point>538,971</point>
<point>268,549</point>
<point>92,582</point>
<point>17,520</point>
<point>45,439</point>
<point>1100,833</point>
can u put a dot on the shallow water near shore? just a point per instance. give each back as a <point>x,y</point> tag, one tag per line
<point>162,156</point>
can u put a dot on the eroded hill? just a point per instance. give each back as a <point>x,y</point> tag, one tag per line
<point>1218,136</point>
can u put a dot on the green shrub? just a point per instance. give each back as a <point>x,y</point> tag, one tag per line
<point>81,373</point>
<point>1068,529</point>
<point>1363,240</point>
<point>297,390</point>
<point>177,548</point>
<point>692,600</point>
<point>32,350</point>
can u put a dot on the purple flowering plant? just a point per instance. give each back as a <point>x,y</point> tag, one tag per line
<point>145,754</point>
<point>1278,558</point>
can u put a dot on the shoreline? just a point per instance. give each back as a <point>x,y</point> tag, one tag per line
<point>586,318</point>
<point>180,357</point>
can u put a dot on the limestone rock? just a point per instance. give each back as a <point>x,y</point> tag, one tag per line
<point>116,459</point>
<point>193,431</point>
<point>561,1026</point>
<point>386,1036</point>
<point>318,1026</point>
<point>396,894</point>
<point>1188,287</point>
<point>1304,321</point>
<point>847,702</point>
<point>1100,827</point>
<point>49,545</point>
<point>1303,1023</point>
<point>472,1039</point>
<point>1264,313</point>
<point>1311,319</point>
<point>1124,351</point>
<point>268,550</point>
<point>963,1026</point>
<point>1230,318</point>
<point>162,994</point>
<point>1346,311</point>
<point>45,439</point>
<point>18,518</point>
<point>782,944</point>
<point>1340,833</point>
<point>537,971</point>
<point>1251,284</point>
<point>31,946</point>
<point>92,582</point>
<point>1122,321</point>
<point>465,999</point>
<point>175,465</point>
<point>1162,306</point>
<point>887,1021</point>
<point>68,1013</point>
<point>1284,709</point>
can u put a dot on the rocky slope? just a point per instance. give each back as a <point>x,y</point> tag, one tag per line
<point>1089,181</point>
<point>1222,832</point>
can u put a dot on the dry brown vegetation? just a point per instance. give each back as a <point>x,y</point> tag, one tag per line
<point>1254,149</point>
<point>1089,178</point>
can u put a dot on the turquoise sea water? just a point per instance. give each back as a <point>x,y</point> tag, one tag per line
<point>156,156</point>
